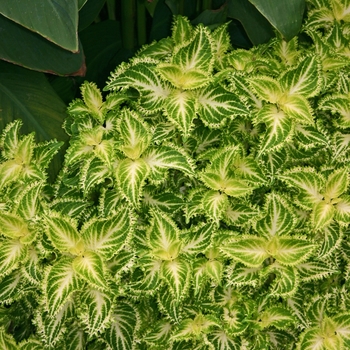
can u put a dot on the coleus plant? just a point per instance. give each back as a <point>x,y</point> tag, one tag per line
<point>203,204</point>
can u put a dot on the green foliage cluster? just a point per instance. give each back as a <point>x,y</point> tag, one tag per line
<point>203,203</point>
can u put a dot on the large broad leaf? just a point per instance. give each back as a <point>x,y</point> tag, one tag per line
<point>120,335</point>
<point>56,21</point>
<point>249,250</point>
<point>60,282</point>
<point>37,53</point>
<point>107,236</point>
<point>285,15</point>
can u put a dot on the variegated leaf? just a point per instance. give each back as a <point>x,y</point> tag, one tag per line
<point>279,219</point>
<point>342,210</point>
<point>199,276</point>
<point>337,183</point>
<point>106,237</point>
<point>198,54</point>
<point>338,104</point>
<point>70,206</point>
<point>12,253</point>
<point>63,234</point>
<point>180,110</point>
<point>25,149</point>
<point>167,202</point>
<point>298,108</point>
<point>182,30</point>
<point>243,276</point>
<point>167,157</point>
<point>31,344</point>
<point>314,270</point>
<point>149,280</point>
<point>290,251</point>
<point>32,268</point>
<point>308,136</point>
<point>135,134</point>
<point>266,88</point>
<point>123,325</point>
<point>13,226</point>
<point>214,204</point>
<point>332,236</point>
<point>308,181</point>
<point>198,239</point>
<point>176,273</point>
<point>141,76</point>
<point>286,281</point>
<point>304,80</point>
<point>169,306</point>
<point>223,340</point>
<point>7,341</point>
<point>322,215</point>
<point>278,127</point>
<point>93,100</point>
<point>222,44</point>
<point>89,266</point>
<point>96,311</point>
<point>342,327</point>
<point>276,316</point>
<point>59,284</point>
<point>51,329</point>
<point>131,176</point>
<point>160,333</point>
<point>10,171</point>
<point>75,338</point>
<point>10,287</point>
<point>249,169</point>
<point>249,250</point>
<point>214,270</point>
<point>239,214</point>
<point>215,104</point>
<point>10,138</point>
<point>163,237</point>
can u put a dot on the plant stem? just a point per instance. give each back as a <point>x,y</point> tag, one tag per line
<point>141,22</point>
<point>128,23</point>
<point>111,9</point>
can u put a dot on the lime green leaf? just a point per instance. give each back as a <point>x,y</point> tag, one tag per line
<point>135,134</point>
<point>322,214</point>
<point>176,273</point>
<point>63,17</point>
<point>96,311</point>
<point>290,251</point>
<point>249,250</point>
<point>278,127</point>
<point>62,232</point>
<point>249,169</point>
<point>278,317</point>
<point>337,183</point>
<point>10,171</point>
<point>163,237</point>
<point>106,237</point>
<point>222,43</point>
<point>298,108</point>
<point>120,335</point>
<point>215,104</point>
<point>338,104</point>
<point>90,268</point>
<point>279,219</point>
<point>303,80</point>
<point>198,54</point>
<point>59,284</point>
<point>342,210</point>
<point>266,88</point>
<point>10,138</point>
<point>239,214</point>
<point>7,341</point>
<point>141,76</point>
<point>342,325</point>
<point>214,204</point>
<point>12,225</point>
<point>182,80</point>
<point>12,253</point>
<point>131,175</point>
